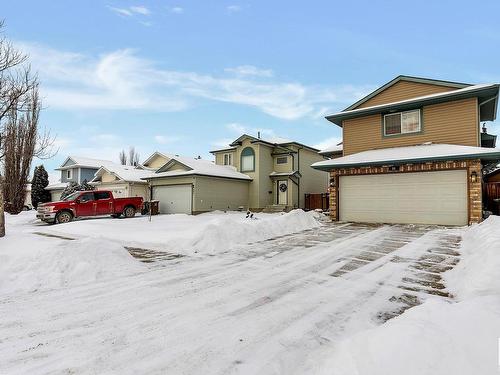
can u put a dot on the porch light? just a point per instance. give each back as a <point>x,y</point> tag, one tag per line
<point>473,176</point>
<point>332,182</point>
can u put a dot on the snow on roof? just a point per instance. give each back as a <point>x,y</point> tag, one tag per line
<point>331,149</point>
<point>126,173</point>
<point>445,94</point>
<point>81,161</point>
<point>57,186</point>
<point>200,167</point>
<point>395,155</point>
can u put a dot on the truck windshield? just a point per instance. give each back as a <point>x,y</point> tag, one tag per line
<point>71,197</point>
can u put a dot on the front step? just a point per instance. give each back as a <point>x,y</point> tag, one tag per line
<point>276,208</point>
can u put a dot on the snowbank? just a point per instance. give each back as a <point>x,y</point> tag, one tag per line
<point>226,232</point>
<point>211,233</point>
<point>28,263</point>
<point>436,338</point>
<point>478,272</point>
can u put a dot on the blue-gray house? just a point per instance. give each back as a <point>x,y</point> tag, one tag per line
<point>77,169</point>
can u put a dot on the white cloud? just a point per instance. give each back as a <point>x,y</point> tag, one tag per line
<point>140,9</point>
<point>250,70</point>
<point>131,11</point>
<point>233,8</point>
<point>329,142</point>
<point>177,10</point>
<point>121,11</point>
<point>121,80</point>
<point>161,139</point>
<point>266,134</point>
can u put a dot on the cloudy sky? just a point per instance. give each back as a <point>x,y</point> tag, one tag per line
<point>186,77</point>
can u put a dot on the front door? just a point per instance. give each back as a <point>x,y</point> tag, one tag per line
<point>282,187</point>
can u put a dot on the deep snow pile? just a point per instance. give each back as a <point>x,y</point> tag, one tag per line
<point>29,262</point>
<point>478,272</point>
<point>438,337</point>
<point>211,233</point>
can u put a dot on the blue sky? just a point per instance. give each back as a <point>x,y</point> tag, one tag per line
<point>187,77</point>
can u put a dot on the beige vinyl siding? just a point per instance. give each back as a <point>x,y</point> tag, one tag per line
<point>157,162</point>
<point>404,90</point>
<point>453,122</point>
<point>108,177</point>
<point>211,193</point>
<point>312,180</point>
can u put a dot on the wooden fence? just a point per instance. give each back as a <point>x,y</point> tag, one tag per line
<point>492,191</point>
<point>315,201</point>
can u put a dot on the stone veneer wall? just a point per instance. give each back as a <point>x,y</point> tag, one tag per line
<point>474,188</point>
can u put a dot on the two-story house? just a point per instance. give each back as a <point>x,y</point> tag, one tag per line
<point>75,169</point>
<point>412,153</point>
<point>251,173</point>
<point>280,170</point>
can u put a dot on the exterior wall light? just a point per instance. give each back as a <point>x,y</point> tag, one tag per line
<point>332,182</point>
<point>473,176</point>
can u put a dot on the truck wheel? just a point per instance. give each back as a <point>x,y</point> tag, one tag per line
<point>64,217</point>
<point>129,212</point>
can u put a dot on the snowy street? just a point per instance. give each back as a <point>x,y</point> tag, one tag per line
<point>276,306</point>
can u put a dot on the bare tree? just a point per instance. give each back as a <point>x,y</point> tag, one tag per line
<point>123,157</point>
<point>22,142</point>
<point>19,105</point>
<point>133,156</point>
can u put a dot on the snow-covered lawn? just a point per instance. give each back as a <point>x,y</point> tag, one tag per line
<point>335,299</point>
<point>186,234</point>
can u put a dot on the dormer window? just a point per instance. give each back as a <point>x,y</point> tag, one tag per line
<point>228,159</point>
<point>402,123</point>
<point>247,160</point>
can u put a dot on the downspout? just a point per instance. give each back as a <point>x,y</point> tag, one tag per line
<point>298,170</point>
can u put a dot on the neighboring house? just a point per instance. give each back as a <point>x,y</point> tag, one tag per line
<point>122,180</point>
<point>332,152</point>
<point>192,186</point>
<point>280,170</point>
<point>76,169</point>
<point>412,153</point>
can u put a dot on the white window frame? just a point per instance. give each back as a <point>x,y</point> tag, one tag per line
<point>69,174</point>
<point>401,116</point>
<point>227,159</point>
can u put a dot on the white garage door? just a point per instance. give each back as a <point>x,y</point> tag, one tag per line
<point>427,197</point>
<point>174,199</point>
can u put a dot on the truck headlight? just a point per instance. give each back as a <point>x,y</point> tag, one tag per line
<point>49,208</point>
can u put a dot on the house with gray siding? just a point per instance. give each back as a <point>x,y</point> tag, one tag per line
<point>76,169</point>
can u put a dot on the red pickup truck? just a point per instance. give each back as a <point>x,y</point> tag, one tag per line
<point>88,203</point>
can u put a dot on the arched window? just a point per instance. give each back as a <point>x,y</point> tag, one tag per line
<point>247,160</point>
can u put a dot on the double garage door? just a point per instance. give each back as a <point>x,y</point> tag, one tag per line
<point>425,197</point>
<point>174,199</point>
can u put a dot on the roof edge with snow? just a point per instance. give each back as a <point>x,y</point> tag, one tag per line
<point>409,155</point>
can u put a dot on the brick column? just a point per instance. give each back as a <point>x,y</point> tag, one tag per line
<point>475,192</point>
<point>333,197</point>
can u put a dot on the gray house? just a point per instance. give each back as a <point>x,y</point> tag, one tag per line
<point>75,169</point>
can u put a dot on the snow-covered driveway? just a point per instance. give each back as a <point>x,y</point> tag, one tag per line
<point>271,307</point>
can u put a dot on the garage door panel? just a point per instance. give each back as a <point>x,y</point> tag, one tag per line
<point>174,199</point>
<point>426,197</point>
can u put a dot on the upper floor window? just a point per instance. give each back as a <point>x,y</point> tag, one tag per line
<point>69,173</point>
<point>228,159</point>
<point>247,160</point>
<point>402,123</point>
<point>281,160</point>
